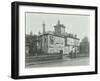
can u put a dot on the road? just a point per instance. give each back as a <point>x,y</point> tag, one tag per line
<point>62,62</point>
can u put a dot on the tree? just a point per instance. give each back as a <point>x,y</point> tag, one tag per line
<point>84,45</point>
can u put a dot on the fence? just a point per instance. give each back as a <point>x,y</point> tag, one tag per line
<point>43,58</point>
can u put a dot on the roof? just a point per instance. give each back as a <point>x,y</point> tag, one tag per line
<point>59,25</point>
<point>62,36</point>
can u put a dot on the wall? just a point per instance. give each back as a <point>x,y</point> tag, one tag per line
<point>5,40</point>
<point>55,46</point>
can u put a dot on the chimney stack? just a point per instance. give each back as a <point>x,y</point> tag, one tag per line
<point>43,28</point>
<point>31,33</point>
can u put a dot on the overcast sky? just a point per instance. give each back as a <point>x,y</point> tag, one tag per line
<point>76,24</point>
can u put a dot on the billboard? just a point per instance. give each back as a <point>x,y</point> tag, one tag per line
<point>72,41</point>
<point>56,41</point>
<point>55,44</point>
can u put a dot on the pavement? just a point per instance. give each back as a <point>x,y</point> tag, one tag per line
<point>66,61</point>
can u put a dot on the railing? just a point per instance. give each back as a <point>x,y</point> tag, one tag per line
<point>42,58</point>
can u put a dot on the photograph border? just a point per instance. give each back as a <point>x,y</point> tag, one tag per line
<point>15,39</point>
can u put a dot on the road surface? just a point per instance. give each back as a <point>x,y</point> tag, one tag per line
<point>62,62</point>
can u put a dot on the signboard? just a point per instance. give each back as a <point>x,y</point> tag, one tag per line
<point>72,41</point>
<point>56,41</point>
<point>55,44</point>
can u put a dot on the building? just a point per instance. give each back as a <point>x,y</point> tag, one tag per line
<point>31,43</point>
<point>57,41</point>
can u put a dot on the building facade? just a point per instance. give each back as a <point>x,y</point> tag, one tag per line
<point>57,41</point>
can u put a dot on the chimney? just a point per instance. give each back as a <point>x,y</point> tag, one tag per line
<point>31,33</point>
<point>43,28</point>
<point>58,22</point>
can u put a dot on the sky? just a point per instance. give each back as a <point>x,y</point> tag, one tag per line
<point>75,24</point>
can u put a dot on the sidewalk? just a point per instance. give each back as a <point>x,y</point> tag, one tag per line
<point>65,58</point>
<point>83,61</point>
